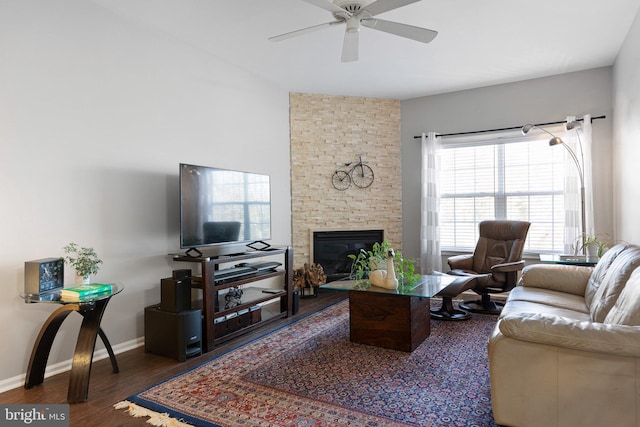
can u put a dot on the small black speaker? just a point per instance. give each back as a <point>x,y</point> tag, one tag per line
<point>175,295</point>
<point>181,274</point>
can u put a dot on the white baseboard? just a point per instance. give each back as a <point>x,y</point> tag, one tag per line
<point>18,380</point>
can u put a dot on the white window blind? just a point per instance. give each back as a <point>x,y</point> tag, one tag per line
<point>496,178</point>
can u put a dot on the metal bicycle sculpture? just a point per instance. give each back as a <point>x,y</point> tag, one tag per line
<point>360,174</point>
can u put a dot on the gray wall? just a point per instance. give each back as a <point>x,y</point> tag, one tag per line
<point>96,112</point>
<point>626,136</point>
<point>515,104</point>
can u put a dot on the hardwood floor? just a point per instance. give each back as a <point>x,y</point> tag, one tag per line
<point>138,370</point>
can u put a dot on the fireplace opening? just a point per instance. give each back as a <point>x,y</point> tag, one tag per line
<point>331,249</point>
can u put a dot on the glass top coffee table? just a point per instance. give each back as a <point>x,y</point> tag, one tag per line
<point>391,318</point>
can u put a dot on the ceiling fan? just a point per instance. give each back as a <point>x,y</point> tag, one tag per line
<point>356,13</point>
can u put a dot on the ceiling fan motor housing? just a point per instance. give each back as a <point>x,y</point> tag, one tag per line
<point>351,6</point>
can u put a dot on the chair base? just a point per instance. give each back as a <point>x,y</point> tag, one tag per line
<point>447,312</point>
<point>483,306</point>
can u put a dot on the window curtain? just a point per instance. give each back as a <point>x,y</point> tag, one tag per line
<point>430,256</point>
<point>587,144</point>
<point>579,140</point>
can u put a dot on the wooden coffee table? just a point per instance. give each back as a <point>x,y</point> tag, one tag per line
<point>398,319</point>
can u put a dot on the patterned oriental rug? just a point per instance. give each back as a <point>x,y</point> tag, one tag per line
<point>310,374</point>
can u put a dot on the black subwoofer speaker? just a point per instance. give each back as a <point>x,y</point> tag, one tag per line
<point>176,335</point>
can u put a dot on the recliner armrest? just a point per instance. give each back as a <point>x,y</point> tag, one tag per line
<point>461,262</point>
<point>621,340</point>
<point>508,267</point>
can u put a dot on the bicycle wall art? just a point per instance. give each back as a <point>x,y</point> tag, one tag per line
<point>358,173</point>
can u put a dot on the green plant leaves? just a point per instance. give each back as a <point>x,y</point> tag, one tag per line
<point>84,261</point>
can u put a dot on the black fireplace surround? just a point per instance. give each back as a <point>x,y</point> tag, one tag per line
<point>331,249</point>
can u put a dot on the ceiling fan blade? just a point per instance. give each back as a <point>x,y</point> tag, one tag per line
<point>350,46</point>
<point>403,30</point>
<point>327,5</point>
<point>303,31</point>
<point>381,6</point>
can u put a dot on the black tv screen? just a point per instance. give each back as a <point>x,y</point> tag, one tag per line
<point>221,206</point>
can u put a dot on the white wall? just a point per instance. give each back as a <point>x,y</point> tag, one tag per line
<point>515,104</point>
<point>96,112</point>
<point>626,137</point>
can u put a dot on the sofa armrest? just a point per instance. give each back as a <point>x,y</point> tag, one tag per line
<point>620,340</point>
<point>461,262</point>
<point>562,278</point>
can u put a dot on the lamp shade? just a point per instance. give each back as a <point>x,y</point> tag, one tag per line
<point>555,141</point>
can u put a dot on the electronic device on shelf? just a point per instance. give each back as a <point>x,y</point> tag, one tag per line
<point>222,207</point>
<point>264,266</point>
<point>245,269</point>
<point>233,273</point>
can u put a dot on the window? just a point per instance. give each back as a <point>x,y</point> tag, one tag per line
<point>243,197</point>
<point>515,178</point>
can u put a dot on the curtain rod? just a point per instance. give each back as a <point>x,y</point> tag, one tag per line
<point>509,128</point>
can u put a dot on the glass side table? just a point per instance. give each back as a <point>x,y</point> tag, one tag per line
<point>91,308</point>
<point>581,260</point>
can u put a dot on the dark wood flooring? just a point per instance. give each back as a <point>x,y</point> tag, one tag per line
<point>138,370</point>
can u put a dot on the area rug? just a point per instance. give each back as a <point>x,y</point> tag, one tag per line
<point>310,374</point>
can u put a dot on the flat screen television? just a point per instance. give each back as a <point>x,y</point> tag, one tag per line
<point>221,206</point>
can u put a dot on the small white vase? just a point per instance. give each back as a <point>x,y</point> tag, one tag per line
<point>83,280</point>
<point>591,250</point>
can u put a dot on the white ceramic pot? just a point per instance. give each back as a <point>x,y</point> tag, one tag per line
<point>592,250</point>
<point>83,280</point>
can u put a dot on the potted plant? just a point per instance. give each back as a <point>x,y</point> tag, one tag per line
<point>376,259</point>
<point>83,260</point>
<point>377,256</point>
<point>592,245</point>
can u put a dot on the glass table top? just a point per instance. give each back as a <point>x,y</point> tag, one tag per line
<point>427,286</point>
<point>569,259</point>
<point>54,296</point>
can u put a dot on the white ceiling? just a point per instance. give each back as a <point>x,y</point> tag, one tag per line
<point>480,43</point>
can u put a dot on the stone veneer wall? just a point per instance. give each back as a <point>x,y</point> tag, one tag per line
<point>326,132</point>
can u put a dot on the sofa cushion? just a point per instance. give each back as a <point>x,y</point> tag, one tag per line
<point>626,310</point>
<point>614,282</point>
<point>549,297</point>
<point>563,332</point>
<point>601,270</point>
<point>518,307</point>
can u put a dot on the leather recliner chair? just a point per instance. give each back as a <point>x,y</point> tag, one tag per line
<point>495,263</point>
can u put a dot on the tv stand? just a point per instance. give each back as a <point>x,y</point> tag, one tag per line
<point>279,300</point>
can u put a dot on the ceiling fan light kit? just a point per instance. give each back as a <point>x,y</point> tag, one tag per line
<point>354,13</point>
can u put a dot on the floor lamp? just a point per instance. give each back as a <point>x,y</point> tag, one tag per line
<point>558,141</point>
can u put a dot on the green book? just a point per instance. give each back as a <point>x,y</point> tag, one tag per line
<point>75,293</point>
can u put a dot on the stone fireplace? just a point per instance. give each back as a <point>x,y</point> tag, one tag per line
<point>327,132</point>
<point>330,249</point>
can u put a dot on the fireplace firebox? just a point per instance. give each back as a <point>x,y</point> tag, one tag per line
<point>331,249</point>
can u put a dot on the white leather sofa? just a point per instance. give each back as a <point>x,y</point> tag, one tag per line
<point>565,351</point>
